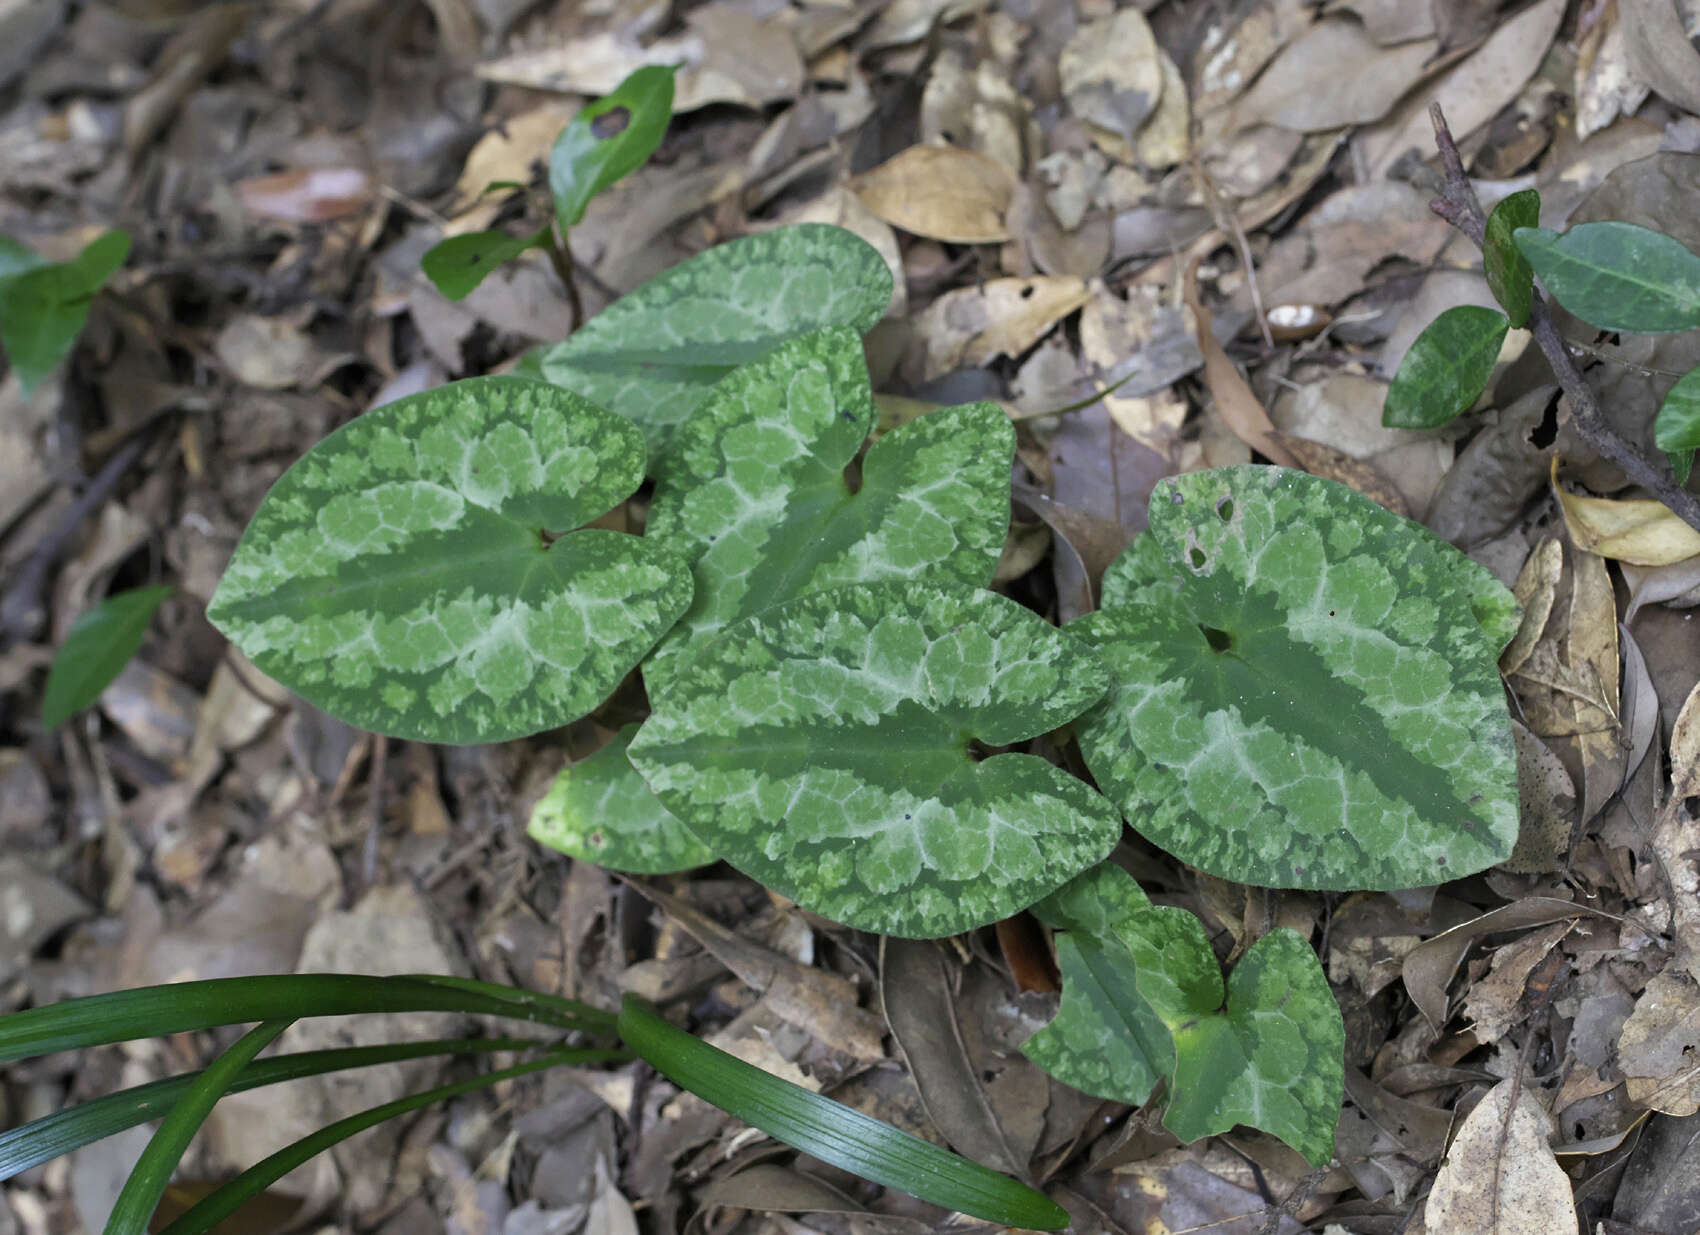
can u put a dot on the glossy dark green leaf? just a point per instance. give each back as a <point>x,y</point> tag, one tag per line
<point>1446,369</point>
<point>459,264</point>
<point>256,1179</point>
<point>151,1011</point>
<point>609,139</point>
<point>152,1172</point>
<point>1617,276</point>
<point>98,646</point>
<point>44,1139</point>
<point>1509,275</point>
<point>43,307</point>
<point>1676,426</point>
<point>831,1131</point>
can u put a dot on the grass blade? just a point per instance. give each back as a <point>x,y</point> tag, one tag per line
<point>46,1138</point>
<point>154,1010</point>
<point>831,1131</point>
<point>223,1202</point>
<point>146,1184</point>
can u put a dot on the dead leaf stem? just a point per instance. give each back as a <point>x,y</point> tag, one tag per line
<point>1459,206</point>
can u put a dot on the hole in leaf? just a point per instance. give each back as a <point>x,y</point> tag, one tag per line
<point>1219,640</point>
<point>1196,556</point>
<point>610,123</point>
<point>1027,293</point>
<point>1225,509</point>
<point>1545,433</point>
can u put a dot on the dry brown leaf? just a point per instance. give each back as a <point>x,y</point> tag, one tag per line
<point>1310,87</point>
<point>511,153</point>
<point>942,193</point>
<point>1389,21</point>
<point>1430,966</point>
<point>1005,317</point>
<point>1592,652</point>
<point>1535,590</point>
<point>1320,459</point>
<point>1629,530</point>
<point>1500,1176</point>
<point>1471,92</point>
<point>1659,1050</point>
<point>1659,51</point>
<point>1495,1003</point>
<point>1676,836</point>
<point>1112,72</point>
<point>1606,87</point>
<point>977,108</point>
<point>1236,403</point>
<point>307,194</point>
<point>1166,138</point>
<point>1230,57</point>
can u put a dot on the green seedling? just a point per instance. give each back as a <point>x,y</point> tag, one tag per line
<point>43,304</point>
<point>99,644</point>
<point>1615,276</point>
<point>609,139</point>
<point>1287,685</point>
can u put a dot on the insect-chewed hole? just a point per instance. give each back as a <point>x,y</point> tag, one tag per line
<point>1225,508</point>
<point>1219,640</point>
<point>1197,557</point>
<point>611,123</point>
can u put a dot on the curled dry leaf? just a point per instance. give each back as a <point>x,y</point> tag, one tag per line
<point>1431,964</point>
<point>1659,1044</point>
<point>1535,590</point>
<point>1630,530</point>
<point>1500,1177</point>
<point>942,193</point>
<point>1659,51</point>
<point>1005,317</point>
<point>307,194</point>
<point>1236,403</point>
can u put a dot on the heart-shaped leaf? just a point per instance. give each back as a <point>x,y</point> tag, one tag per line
<point>653,355</point>
<point>599,809</point>
<point>1105,1039</point>
<point>458,265</point>
<point>43,305</point>
<point>417,572</point>
<point>1617,276</point>
<point>1145,993</point>
<point>1509,274</point>
<point>754,492</point>
<point>1446,369</point>
<point>97,647</point>
<point>1305,689</point>
<point>822,747</point>
<point>610,139</point>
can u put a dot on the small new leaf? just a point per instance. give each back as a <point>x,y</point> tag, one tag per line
<point>98,646</point>
<point>43,305</point>
<point>822,747</point>
<point>1617,276</point>
<point>417,573</point>
<point>1305,689</point>
<point>609,139</point>
<point>458,265</point>
<point>1676,427</point>
<point>1509,275</point>
<point>601,811</point>
<point>1446,369</point>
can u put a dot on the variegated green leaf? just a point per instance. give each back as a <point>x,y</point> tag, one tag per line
<point>1306,691</point>
<point>653,355</point>
<point>1105,1039</point>
<point>1143,998</point>
<point>822,747</point>
<point>599,809</point>
<point>754,493</point>
<point>417,572</point>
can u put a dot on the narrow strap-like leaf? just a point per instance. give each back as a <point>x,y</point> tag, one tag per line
<point>226,1200</point>
<point>831,1131</point>
<point>151,1011</point>
<point>146,1184</point>
<point>44,1139</point>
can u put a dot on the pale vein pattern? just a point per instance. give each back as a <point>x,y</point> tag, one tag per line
<point>402,574</point>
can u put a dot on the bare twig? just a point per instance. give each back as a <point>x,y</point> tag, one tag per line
<point>1459,206</point>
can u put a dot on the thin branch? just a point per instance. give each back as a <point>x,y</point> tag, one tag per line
<point>1459,206</point>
